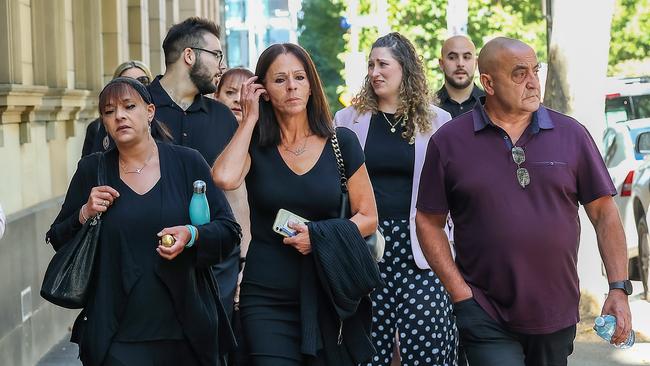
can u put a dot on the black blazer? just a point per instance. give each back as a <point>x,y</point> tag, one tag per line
<point>193,290</point>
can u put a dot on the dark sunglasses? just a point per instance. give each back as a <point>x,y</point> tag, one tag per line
<point>518,156</point>
<point>144,80</point>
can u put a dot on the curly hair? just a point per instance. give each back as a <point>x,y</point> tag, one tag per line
<point>414,95</point>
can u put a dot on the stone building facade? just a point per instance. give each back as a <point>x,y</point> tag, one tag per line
<point>55,56</point>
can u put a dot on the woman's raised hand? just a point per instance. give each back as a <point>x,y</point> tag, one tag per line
<point>99,200</point>
<point>249,99</point>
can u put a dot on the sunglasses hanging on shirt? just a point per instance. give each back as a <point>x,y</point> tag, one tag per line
<point>518,156</point>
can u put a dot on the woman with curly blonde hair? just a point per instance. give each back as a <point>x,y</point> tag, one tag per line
<point>393,118</point>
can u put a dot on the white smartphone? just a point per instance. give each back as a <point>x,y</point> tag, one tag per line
<point>282,220</point>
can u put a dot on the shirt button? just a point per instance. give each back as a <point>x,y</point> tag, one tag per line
<point>184,134</point>
<point>505,137</point>
<point>461,108</point>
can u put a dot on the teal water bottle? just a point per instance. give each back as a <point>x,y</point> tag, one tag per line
<point>199,208</point>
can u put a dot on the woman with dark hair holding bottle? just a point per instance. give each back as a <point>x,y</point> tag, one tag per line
<point>149,303</point>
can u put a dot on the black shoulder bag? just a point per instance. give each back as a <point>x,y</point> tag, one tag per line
<point>375,241</point>
<point>68,276</point>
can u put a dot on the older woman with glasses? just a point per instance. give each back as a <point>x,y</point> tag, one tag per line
<point>96,137</point>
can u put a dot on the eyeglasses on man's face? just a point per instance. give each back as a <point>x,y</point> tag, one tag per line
<point>217,54</point>
<point>519,156</point>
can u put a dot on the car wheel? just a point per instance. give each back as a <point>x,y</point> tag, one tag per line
<point>644,255</point>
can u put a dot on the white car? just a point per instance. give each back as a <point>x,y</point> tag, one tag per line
<point>640,265</point>
<point>627,111</point>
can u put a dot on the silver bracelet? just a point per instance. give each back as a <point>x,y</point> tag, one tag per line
<point>82,214</point>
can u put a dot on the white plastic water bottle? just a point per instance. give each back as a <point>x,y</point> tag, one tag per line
<point>605,325</point>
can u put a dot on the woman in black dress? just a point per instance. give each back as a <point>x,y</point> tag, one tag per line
<point>149,304</point>
<point>282,150</point>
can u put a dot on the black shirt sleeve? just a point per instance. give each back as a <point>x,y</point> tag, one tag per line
<point>89,140</point>
<point>351,150</point>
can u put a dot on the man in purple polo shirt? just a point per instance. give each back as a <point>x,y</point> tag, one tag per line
<point>512,174</point>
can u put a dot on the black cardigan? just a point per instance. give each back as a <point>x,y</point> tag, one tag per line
<point>335,306</point>
<point>188,277</point>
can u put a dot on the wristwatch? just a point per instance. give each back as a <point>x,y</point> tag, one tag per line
<point>626,286</point>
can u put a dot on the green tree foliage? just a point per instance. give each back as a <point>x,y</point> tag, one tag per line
<point>424,22</point>
<point>321,35</point>
<point>630,40</point>
<point>509,18</point>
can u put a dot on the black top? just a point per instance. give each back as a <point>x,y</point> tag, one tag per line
<point>149,314</point>
<point>206,125</point>
<point>453,107</point>
<point>187,278</point>
<point>390,160</point>
<point>315,195</point>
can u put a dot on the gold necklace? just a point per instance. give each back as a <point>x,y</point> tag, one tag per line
<point>299,151</point>
<point>392,125</point>
<point>139,170</point>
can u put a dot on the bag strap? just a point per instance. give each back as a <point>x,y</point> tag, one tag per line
<point>339,163</point>
<point>101,171</point>
<point>101,180</point>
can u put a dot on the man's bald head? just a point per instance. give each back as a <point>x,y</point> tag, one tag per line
<point>458,62</point>
<point>493,51</point>
<point>457,42</point>
<point>509,70</point>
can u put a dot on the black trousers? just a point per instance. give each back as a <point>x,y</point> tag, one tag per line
<point>151,353</point>
<point>488,343</point>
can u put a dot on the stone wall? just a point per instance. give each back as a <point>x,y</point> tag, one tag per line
<point>55,56</point>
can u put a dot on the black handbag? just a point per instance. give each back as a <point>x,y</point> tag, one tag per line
<point>376,242</point>
<point>69,274</point>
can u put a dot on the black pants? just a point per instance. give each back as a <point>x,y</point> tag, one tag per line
<point>487,343</point>
<point>226,272</point>
<point>151,353</point>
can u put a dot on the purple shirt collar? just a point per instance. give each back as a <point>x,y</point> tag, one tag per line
<point>541,119</point>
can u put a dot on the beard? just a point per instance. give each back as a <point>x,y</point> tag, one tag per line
<point>459,85</point>
<point>202,79</point>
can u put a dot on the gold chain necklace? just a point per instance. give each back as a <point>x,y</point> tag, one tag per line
<point>299,151</point>
<point>139,170</point>
<point>392,125</point>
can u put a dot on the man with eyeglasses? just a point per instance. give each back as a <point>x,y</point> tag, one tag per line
<point>193,57</point>
<point>512,173</point>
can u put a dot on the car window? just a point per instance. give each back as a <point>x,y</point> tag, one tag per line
<point>642,106</point>
<point>617,110</point>
<point>609,144</point>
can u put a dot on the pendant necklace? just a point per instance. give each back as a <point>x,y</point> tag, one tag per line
<point>139,170</point>
<point>299,151</point>
<point>392,125</point>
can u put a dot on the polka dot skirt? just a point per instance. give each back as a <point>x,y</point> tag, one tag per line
<point>412,303</point>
